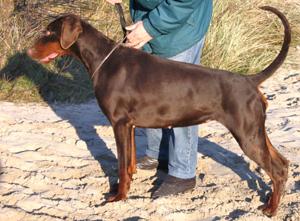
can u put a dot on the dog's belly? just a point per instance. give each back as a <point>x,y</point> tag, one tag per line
<point>173,118</point>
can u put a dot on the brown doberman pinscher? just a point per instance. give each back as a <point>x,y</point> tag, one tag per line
<point>136,89</point>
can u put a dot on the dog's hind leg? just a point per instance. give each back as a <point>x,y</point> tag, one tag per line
<point>280,174</point>
<point>122,131</point>
<point>251,135</point>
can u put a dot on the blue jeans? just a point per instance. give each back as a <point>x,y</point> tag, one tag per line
<point>178,145</point>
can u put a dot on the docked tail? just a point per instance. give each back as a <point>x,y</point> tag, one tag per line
<point>269,71</point>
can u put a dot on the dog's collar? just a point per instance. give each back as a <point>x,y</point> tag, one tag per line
<point>108,55</point>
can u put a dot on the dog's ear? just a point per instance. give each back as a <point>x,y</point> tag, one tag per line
<point>70,30</point>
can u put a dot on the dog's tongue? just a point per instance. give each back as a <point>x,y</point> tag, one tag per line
<point>49,57</point>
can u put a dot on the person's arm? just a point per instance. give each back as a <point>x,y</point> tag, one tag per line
<point>168,16</point>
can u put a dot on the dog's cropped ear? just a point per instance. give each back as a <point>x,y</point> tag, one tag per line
<point>70,30</point>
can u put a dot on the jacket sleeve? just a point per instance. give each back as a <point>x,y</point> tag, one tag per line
<point>169,15</point>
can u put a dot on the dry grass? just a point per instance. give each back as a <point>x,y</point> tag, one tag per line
<point>241,39</point>
<point>22,79</point>
<point>244,38</point>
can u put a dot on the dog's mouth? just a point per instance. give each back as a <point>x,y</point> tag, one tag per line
<point>49,58</point>
<point>46,59</point>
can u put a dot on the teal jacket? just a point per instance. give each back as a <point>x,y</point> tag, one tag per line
<point>175,25</point>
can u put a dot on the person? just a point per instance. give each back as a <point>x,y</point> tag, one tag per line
<point>172,29</point>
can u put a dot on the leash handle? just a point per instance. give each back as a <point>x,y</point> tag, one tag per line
<point>120,11</point>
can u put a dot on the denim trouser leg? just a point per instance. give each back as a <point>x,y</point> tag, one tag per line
<point>178,145</point>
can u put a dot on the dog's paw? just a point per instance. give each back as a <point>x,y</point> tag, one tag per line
<point>116,198</point>
<point>268,210</point>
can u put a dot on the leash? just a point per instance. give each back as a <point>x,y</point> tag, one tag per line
<point>120,11</point>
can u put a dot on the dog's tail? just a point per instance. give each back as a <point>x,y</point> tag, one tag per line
<point>269,71</point>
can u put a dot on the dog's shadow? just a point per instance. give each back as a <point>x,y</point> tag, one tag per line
<point>93,117</point>
<point>20,65</point>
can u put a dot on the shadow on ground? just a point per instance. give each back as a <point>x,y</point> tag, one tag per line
<point>49,84</point>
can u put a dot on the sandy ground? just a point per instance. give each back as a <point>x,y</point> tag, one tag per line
<point>58,162</point>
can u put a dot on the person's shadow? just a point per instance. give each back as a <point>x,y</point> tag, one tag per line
<point>20,65</point>
<point>235,163</point>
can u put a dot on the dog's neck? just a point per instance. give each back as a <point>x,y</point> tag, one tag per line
<point>92,47</point>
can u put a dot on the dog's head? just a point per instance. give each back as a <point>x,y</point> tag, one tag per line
<point>56,39</point>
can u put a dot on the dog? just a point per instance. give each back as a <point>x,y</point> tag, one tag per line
<point>136,89</point>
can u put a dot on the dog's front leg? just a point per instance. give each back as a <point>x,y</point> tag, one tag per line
<point>132,153</point>
<point>122,131</point>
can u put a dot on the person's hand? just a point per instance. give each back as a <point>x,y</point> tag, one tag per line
<point>114,1</point>
<point>138,36</point>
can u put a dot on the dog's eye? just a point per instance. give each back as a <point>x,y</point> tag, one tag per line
<point>47,33</point>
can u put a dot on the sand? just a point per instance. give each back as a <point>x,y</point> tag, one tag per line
<point>58,161</point>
